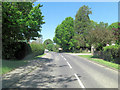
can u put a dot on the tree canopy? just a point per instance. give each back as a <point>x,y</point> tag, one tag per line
<point>64,33</point>
<point>99,37</point>
<point>82,20</point>
<point>115,27</point>
<point>48,41</point>
<point>21,21</point>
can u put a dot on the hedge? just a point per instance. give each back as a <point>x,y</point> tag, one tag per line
<point>37,49</point>
<point>110,53</point>
<point>15,50</point>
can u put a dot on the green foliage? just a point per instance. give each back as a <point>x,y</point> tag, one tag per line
<point>16,50</point>
<point>102,25</point>
<point>101,61</point>
<point>37,49</point>
<point>82,25</point>
<point>55,48</point>
<point>50,47</point>
<point>112,53</point>
<point>64,33</point>
<point>115,27</point>
<point>79,41</point>
<point>21,21</point>
<point>46,42</point>
<point>82,20</point>
<point>99,37</point>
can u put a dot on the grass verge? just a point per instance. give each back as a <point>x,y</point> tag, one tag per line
<point>9,65</point>
<point>101,61</point>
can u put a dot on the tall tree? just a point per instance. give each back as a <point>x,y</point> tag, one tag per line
<point>21,21</point>
<point>64,33</point>
<point>82,20</point>
<point>82,25</point>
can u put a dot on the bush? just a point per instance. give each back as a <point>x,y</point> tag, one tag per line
<point>37,49</point>
<point>23,51</point>
<point>15,50</point>
<point>112,53</point>
<point>50,47</point>
<point>56,48</point>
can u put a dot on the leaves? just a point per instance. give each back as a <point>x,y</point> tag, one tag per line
<point>82,21</point>
<point>21,21</point>
<point>115,27</point>
<point>99,37</point>
<point>64,33</point>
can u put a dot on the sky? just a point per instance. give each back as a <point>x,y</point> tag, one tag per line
<point>55,12</point>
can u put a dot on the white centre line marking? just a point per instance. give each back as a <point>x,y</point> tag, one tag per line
<point>79,81</point>
<point>65,59</point>
<point>69,65</point>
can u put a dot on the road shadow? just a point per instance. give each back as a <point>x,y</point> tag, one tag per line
<point>39,78</point>
<point>63,65</point>
<point>15,75</point>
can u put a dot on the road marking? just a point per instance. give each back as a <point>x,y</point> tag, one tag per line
<point>62,55</point>
<point>79,80</point>
<point>69,65</point>
<point>65,59</point>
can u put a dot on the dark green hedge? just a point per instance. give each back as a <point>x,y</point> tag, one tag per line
<point>16,50</point>
<point>37,49</point>
<point>110,53</point>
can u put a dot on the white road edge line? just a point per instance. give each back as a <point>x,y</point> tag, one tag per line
<point>69,65</point>
<point>79,80</point>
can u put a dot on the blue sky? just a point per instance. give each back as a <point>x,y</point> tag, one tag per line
<point>56,12</point>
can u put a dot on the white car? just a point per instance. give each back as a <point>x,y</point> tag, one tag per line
<point>46,50</point>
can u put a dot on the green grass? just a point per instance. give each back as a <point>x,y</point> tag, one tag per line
<point>9,65</point>
<point>101,61</point>
<point>40,56</point>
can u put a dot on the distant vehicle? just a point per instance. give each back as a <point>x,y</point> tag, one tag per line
<point>46,50</point>
<point>60,50</point>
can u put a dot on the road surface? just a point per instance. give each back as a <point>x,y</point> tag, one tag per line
<point>60,70</point>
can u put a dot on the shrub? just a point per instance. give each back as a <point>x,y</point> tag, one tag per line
<point>23,51</point>
<point>56,48</point>
<point>112,53</point>
<point>50,47</point>
<point>16,50</point>
<point>37,49</point>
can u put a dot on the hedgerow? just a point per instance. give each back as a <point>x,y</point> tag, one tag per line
<point>37,49</point>
<point>112,53</point>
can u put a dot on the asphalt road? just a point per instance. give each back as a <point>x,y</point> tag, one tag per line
<point>60,70</point>
<point>87,73</point>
